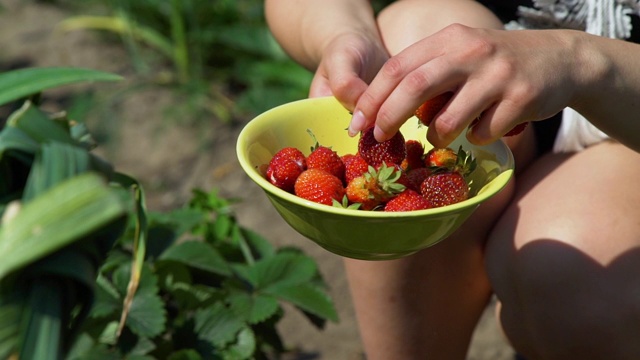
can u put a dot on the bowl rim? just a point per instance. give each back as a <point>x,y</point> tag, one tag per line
<point>254,174</point>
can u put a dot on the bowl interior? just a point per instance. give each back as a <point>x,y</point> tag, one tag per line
<point>339,229</point>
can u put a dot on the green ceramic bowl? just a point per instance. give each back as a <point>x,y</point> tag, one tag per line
<point>367,235</point>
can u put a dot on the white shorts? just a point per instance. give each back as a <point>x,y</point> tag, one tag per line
<point>576,133</point>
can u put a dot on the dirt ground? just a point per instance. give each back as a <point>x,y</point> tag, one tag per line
<point>172,158</point>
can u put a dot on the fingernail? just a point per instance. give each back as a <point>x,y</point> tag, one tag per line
<point>357,123</point>
<point>380,135</point>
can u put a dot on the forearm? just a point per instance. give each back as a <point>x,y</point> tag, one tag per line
<point>304,27</point>
<point>404,22</point>
<point>608,86</point>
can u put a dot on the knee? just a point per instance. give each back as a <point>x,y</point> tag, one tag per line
<point>558,302</point>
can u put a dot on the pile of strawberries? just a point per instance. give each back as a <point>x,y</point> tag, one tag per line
<point>395,175</point>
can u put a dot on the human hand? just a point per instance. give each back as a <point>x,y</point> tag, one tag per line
<point>349,62</point>
<point>501,78</point>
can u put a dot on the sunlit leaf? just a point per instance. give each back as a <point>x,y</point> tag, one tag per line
<point>60,216</point>
<point>17,84</point>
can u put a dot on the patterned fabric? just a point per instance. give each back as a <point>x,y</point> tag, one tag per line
<point>608,18</point>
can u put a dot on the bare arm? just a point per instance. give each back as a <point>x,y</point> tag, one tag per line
<point>305,27</point>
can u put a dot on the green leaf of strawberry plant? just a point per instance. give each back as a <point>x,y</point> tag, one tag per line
<point>243,348</point>
<point>309,298</point>
<point>198,255</point>
<point>253,307</point>
<point>147,315</point>
<point>283,270</point>
<point>217,325</point>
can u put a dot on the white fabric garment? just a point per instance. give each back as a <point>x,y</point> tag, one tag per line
<point>608,18</point>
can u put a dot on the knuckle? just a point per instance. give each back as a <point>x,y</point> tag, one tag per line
<point>393,68</point>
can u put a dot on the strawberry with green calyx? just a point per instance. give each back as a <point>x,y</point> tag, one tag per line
<point>319,186</point>
<point>375,187</point>
<point>323,157</point>
<point>375,153</point>
<point>448,185</point>
<point>445,188</point>
<point>408,200</point>
<point>285,167</point>
<point>345,204</point>
<point>440,157</point>
<point>354,166</point>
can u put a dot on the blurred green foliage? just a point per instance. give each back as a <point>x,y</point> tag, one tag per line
<point>219,52</point>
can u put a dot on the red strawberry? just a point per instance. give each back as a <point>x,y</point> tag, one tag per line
<point>354,166</point>
<point>415,153</point>
<point>415,177</point>
<point>440,157</point>
<point>430,108</point>
<point>285,167</point>
<point>517,129</point>
<point>375,153</point>
<point>319,186</point>
<point>408,200</point>
<point>445,188</point>
<point>375,187</point>
<point>326,159</point>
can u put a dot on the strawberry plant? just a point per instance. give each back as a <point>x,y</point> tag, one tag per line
<point>87,272</point>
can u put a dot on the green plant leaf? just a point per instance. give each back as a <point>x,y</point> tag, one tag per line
<point>198,255</point>
<point>54,163</point>
<point>147,316</point>
<point>17,84</point>
<point>254,307</point>
<point>65,213</point>
<point>309,298</point>
<point>38,126</point>
<point>244,347</point>
<point>283,270</point>
<point>217,325</point>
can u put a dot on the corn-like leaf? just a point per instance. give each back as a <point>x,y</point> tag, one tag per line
<point>65,213</point>
<point>18,84</point>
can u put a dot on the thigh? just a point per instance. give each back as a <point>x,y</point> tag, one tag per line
<point>564,259</point>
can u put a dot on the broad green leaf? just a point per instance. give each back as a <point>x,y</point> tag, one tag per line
<point>65,213</point>
<point>244,348</point>
<point>12,138</point>
<point>17,84</point>
<point>217,325</point>
<point>108,301</point>
<point>43,334</point>
<point>9,327</point>
<point>283,270</point>
<point>254,307</point>
<point>261,246</point>
<point>54,163</point>
<point>309,298</point>
<point>147,315</point>
<point>198,255</point>
<point>38,126</point>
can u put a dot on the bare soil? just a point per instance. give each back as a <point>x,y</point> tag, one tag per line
<point>170,158</point>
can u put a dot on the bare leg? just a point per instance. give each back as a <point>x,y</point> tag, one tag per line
<point>428,304</point>
<point>564,259</point>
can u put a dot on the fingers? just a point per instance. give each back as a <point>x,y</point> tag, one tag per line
<point>394,94</point>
